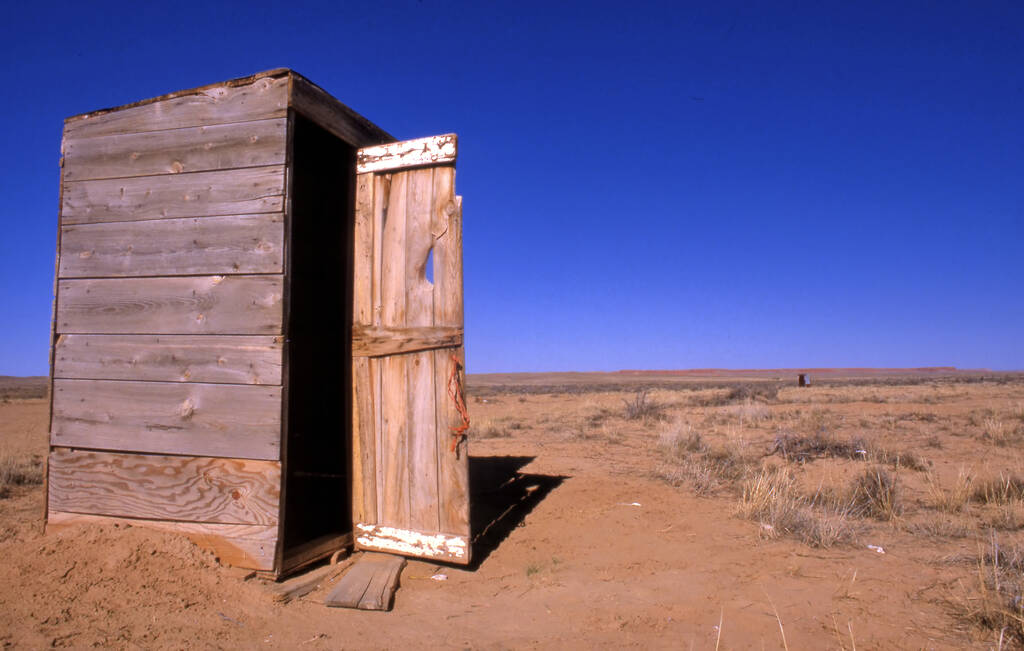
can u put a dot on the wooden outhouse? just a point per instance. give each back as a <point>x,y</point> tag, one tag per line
<point>257,333</point>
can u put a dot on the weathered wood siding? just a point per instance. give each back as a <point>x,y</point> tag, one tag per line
<point>169,345</point>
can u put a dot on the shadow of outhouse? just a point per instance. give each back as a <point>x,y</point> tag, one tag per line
<point>501,498</point>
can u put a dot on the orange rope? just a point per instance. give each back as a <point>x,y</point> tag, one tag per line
<point>458,395</point>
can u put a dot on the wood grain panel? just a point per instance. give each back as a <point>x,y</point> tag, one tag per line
<point>237,244</point>
<point>189,489</point>
<point>186,305</point>
<point>257,99</point>
<point>173,151</point>
<point>200,194</point>
<point>240,545</point>
<point>170,358</point>
<point>216,420</point>
<point>320,107</point>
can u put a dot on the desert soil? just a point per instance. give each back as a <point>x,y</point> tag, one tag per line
<point>599,530</point>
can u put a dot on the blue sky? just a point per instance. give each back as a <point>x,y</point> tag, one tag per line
<point>646,185</point>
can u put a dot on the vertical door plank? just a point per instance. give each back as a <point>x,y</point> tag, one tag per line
<point>420,312</point>
<point>453,469</point>
<point>364,486</point>
<point>394,379</point>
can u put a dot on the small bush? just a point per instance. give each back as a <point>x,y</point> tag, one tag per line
<point>642,408</point>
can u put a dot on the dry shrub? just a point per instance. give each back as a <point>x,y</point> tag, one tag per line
<point>957,498</point>
<point>490,430</point>
<point>818,445</point>
<point>680,439</point>
<point>903,459</point>
<point>19,471</point>
<point>876,494</point>
<point>642,408</point>
<point>1004,490</point>
<point>763,392</point>
<point>821,444</point>
<point>942,527</point>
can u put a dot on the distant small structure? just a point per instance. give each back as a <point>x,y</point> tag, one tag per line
<point>804,380</point>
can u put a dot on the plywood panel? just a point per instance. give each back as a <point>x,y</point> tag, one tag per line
<point>240,545</point>
<point>189,489</point>
<point>186,305</point>
<point>237,244</point>
<point>170,358</point>
<point>258,98</point>
<point>194,149</point>
<point>216,420</point>
<point>200,194</point>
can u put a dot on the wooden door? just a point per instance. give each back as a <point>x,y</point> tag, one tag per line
<point>410,462</point>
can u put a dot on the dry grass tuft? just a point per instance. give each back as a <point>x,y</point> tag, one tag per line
<point>691,460</point>
<point>19,471</point>
<point>957,498</point>
<point>996,604</point>
<point>771,498</point>
<point>876,494</point>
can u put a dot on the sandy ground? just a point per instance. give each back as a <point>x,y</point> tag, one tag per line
<point>590,534</point>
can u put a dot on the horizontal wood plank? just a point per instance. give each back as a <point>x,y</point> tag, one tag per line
<point>239,545</point>
<point>170,358</point>
<point>369,584</point>
<point>173,151</point>
<point>260,98</point>
<point>237,244</point>
<point>435,150</point>
<point>319,106</point>
<point>377,341</point>
<point>214,420</point>
<point>200,194</point>
<point>187,489</point>
<point>185,305</point>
